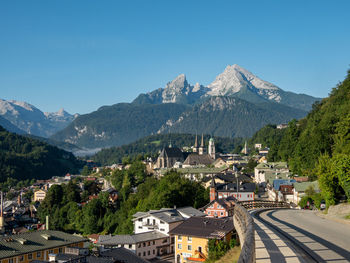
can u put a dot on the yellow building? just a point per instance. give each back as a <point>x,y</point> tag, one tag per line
<point>39,195</point>
<point>29,246</point>
<point>192,236</point>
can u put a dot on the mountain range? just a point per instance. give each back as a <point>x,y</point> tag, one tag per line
<point>236,104</point>
<point>24,118</point>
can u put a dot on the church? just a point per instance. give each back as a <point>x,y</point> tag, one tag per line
<point>169,156</point>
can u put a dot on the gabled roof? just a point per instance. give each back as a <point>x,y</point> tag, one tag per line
<point>121,254</point>
<point>224,202</point>
<point>204,227</point>
<point>130,239</point>
<point>196,159</point>
<point>301,187</point>
<point>278,182</point>
<point>11,246</point>
<point>189,211</point>
<point>171,152</point>
<point>231,187</point>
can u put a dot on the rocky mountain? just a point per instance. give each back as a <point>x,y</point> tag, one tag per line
<point>236,104</point>
<point>230,117</point>
<point>118,124</point>
<point>234,81</point>
<point>31,120</point>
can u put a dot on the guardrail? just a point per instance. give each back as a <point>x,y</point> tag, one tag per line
<point>244,226</point>
<point>263,204</point>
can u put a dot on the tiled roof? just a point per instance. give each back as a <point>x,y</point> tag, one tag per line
<point>196,159</point>
<point>204,227</point>
<point>130,239</point>
<point>121,254</point>
<point>190,211</point>
<point>301,187</point>
<point>169,215</point>
<point>172,152</point>
<point>231,187</point>
<point>35,241</point>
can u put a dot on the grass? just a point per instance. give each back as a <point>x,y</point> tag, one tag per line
<point>231,256</point>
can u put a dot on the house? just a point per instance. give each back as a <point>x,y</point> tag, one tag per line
<point>151,232</point>
<point>285,193</point>
<point>112,193</point>
<point>300,188</point>
<point>220,162</point>
<point>39,195</point>
<point>222,178</point>
<point>162,220</point>
<point>264,152</point>
<point>192,236</point>
<point>36,245</point>
<point>258,146</point>
<point>245,191</point>
<point>263,171</point>
<point>117,255</point>
<point>273,190</point>
<point>146,245</point>
<point>220,207</point>
<point>282,126</point>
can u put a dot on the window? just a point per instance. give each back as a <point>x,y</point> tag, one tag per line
<point>189,247</point>
<point>208,212</point>
<point>162,229</point>
<point>154,251</point>
<point>154,242</point>
<point>139,254</point>
<point>200,249</point>
<point>21,258</point>
<point>30,256</point>
<point>144,253</point>
<point>189,239</point>
<point>140,227</point>
<point>149,243</point>
<point>149,252</point>
<point>179,238</point>
<point>51,251</point>
<point>144,244</point>
<point>222,213</point>
<point>130,246</point>
<point>179,246</point>
<point>38,254</point>
<point>140,219</point>
<point>60,250</point>
<point>11,260</point>
<point>139,245</point>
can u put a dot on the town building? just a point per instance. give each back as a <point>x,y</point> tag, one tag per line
<point>267,172</point>
<point>218,208</point>
<point>244,191</point>
<point>36,245</point>
<point>39,195</point>
<point>169,156</point>
<point>300,188</point>
<point>192,236</point>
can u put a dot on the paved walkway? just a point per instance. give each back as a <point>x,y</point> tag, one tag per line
<point>272,247</point>
<point>325,240</point>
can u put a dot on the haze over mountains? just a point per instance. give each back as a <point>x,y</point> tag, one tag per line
<point>236,104</point>
<point>26,118</point>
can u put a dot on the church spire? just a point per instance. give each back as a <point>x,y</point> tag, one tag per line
<point>195,147</point>
<point>201,148</point>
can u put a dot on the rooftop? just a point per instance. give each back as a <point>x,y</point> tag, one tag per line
<point>28,242</point>
<point>204,227</point>
<point>130,239</point>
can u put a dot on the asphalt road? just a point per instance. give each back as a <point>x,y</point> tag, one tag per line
<point>324,240</point>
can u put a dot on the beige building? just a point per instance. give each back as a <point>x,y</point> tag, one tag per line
<point>39,195</point>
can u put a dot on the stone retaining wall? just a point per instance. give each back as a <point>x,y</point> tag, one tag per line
<point>244,226</point>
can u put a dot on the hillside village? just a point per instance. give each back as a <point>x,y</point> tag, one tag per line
<point>173,233</point>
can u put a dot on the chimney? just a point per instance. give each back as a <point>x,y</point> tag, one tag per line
<point>47,223</point>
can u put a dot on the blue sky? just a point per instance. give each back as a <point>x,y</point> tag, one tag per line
<point>81,55</point>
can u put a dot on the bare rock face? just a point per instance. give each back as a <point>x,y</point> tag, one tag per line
<point>31,120</point>
<point>234,81</point>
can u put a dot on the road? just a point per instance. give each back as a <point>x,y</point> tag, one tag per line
<point>288,235</point>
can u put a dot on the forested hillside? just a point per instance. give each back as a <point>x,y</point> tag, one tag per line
<point>151,145</point>
<point>24,158</point>
<point>318,145</point>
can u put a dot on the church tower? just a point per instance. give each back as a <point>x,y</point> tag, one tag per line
<point>211,148</point>
<point>195,148</point>
<point>201,148</point>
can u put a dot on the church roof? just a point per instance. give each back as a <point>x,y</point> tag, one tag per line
<point>196,159</point>
<point>172,152</point>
